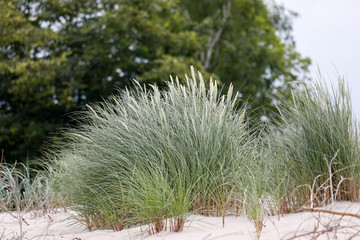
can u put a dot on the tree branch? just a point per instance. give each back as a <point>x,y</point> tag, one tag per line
<point>226,9</point>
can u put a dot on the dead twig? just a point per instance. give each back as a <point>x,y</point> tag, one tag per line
<point>321,210</point>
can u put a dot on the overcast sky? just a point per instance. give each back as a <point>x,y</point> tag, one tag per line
<point>328,31</point>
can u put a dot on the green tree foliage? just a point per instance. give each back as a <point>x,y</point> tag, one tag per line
<point>112,42</point>
<point>249,44</point>
<point>27,87</point>
<point>56,56</point>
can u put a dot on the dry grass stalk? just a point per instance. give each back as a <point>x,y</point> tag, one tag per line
<point>325,194</point>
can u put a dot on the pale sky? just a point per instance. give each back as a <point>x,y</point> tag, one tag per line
<point>328,31</point>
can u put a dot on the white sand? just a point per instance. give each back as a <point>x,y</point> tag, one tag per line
<point>62,226</point>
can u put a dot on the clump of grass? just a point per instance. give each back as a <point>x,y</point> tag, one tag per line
<point>45,198</point>
<point>15,193</point>
<point>154,156</point>
<point>19,193</point>
<point>316,125</point>
<point>15,187</point>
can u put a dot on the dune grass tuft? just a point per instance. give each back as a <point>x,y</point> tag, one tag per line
<point>151,157</point>
<point>316,145</point>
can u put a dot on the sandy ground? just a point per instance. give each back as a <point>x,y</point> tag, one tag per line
<point>328,226</point>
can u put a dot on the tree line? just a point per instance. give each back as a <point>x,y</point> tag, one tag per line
<point>56,56</point>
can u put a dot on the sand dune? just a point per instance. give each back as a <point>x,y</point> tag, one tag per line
<point>62,225</point>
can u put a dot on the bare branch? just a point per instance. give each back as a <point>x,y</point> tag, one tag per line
<point>320,210</point>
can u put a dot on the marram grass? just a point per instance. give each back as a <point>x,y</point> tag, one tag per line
<point>152,156</point>
<point>315,148</point>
